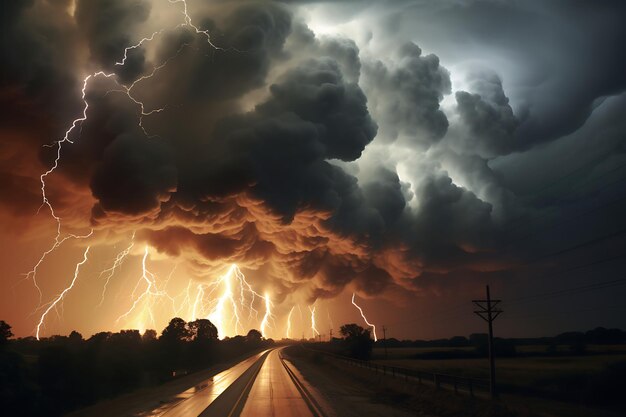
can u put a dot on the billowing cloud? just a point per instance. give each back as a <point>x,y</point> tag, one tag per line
<point>313,159</point>
<point>406,95</point>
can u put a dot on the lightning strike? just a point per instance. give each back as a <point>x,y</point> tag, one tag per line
<point>148,296</point>
<point>330,320</point>
<point>109,272</point>
<point>288,332</point>
<point>78,122</point>
<point>314,331</point>
<point>268,314</point>
<point>365,319</point>
<point>189,23</point>
<point>61,296</point>
<point>137,45</point>
<point>217,316</point>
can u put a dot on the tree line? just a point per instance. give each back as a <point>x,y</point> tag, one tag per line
<point>58,374</point>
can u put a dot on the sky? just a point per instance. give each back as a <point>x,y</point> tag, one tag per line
<point>265,164</point>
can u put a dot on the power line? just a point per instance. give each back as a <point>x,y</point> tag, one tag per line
<point>460,308</point>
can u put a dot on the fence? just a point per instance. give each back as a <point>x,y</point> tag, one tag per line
<point>439,381</point>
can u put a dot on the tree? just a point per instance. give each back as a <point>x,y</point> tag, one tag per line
<point>172,344</point>
<point>176,331</point>
<point>149,335</point>
<point>353,331</point>
<point>202,329</point>
<point>357,340</point>
<point>75,337</point>
<point>254,336</point>
<point>5,332</point>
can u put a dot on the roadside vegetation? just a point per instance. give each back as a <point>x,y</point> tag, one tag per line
<point>55,375</point>
<point>573,372</point>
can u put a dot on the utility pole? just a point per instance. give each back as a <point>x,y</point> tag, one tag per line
<point>489,312</point>
<point>330,338</point>
<point>385,339</point>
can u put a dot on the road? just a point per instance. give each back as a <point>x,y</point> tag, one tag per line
<point>196,399</point>
<point>277,392</point>
<point>262,386</point>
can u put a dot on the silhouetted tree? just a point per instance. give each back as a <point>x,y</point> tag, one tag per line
<point>254,336</point>
<point>358,340</point>
<point>176,331</point>
<point>202,349</point>
<point>353,331</point>
<point>202,329</point>
<point>5,332</point>
<point>71,372</point>
<point>149,335</point>
<point>172,345</point>
<point>75,337</point>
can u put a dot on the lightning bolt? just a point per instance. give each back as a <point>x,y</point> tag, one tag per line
<point>288,332</point>
<point>314,331</point>
<point>66,139</point>
<point>217,315</point>
<point>61,296</point>
<point>330,320</point>
<point>109,272</point>
<point>365,319</point>
<point>189,23</point>
<point>267,316</point>
<point>244,287</point>
<point>148,296</point>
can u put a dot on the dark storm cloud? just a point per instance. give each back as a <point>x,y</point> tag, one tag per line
<point>384,194</point>
<point>488,117</point>
<point>258,186</point>
<point>134,176</point>
<point>108,26</point>
<point>450,224</point>
<point>260,152</point>
<point>560,55</point>
<point>316,92</point>
<point>405,97</point>
<point>39,51</point>
<point>304,43</point>
<point>280,149</point>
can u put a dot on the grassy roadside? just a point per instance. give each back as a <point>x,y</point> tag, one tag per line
<point>412,399</point>
<point>426,400</point>
<point>592,379</point>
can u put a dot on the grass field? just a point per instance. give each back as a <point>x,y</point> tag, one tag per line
<point>408,352</point>
<point>566,377</point>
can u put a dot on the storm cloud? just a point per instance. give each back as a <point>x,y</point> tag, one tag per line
<point>313,158</point>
